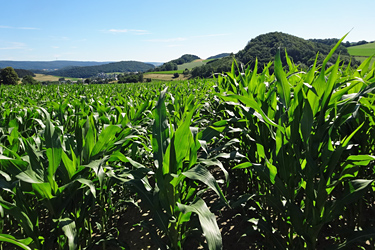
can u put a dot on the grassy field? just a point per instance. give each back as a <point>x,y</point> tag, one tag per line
<point>46,78</point>
<point>163,77</point>
<point>164,72</point>
<point>193,64</point>
<point>362,50</point>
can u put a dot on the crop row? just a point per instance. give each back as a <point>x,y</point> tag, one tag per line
<point>290,153</point>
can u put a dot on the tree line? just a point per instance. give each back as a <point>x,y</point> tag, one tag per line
<point>90,71</point>
<point>10,76</point>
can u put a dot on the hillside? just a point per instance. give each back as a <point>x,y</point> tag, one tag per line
<point>219,56</point>
<point>173,64</point>
<point>302,51</point>
<point>264,47</point>
<point>90,71</point>
<point>46,65</point>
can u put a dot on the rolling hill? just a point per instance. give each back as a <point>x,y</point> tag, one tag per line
<point>47,65</point>
<point>90,71</point>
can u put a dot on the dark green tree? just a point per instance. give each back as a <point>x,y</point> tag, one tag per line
<point>9,76</point>
<point>29,80</point>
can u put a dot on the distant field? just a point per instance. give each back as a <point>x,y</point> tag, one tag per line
<point>46,78</point>
<point>362,50</point>
<point>191,65</point>
<point>164,77</point>
<point>164,72</point>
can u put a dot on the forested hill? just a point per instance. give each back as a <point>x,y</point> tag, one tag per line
<point>302,51</point>
<point>264,48</point>
<point>172,65</point>
<point>85,72</point>
<point>46,65</point>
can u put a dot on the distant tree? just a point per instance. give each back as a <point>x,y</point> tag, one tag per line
<point>140,77</point>
<point>62,79</point>
<point>23,72</point>
<point>29,80</point>
<point>88,81</point>
<point>176,75</point>
<point>9,76</point>
<point>362,42</point>
<point>186,72</point>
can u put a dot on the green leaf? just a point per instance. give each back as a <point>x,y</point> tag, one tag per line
<point>160,130</point>
<point>43,190</point>
<point>23,243</point>
<point>105,138</point>
<point>352,193</point>
<point>69,228</point>
<point>208,222</point>
<point>250,102</point>
<point>283,86</point>
<point>200,173</point>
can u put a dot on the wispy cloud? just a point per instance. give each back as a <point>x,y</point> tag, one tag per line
<point>14,45</point>
<point>60,38</point>
<point>18,28</point>
<point>211,35</point>
<point>168,40</point>
<point>132,31</point>
<point>55,47</point>
<point>180,39</point>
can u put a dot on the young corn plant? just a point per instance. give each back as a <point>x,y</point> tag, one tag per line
<point>171,191</point>
<point>307,168</point>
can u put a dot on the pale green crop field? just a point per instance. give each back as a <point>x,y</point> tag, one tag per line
<point>362,50</point>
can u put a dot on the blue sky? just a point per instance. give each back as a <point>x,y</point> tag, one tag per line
<point>159,31</point>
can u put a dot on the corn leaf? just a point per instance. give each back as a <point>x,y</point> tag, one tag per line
<point>208,223</point>
<point>22,243</point>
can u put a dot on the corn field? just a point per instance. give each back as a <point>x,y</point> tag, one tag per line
<point>290,154</point>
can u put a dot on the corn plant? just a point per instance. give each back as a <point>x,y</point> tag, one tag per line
<point>172,196</point>
<point>309,169</point>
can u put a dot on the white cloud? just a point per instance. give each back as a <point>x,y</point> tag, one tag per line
<point>169,40</point>
<point>132,31</point>
<point>55,47</point>
<point>14,45</point>
<point>211,35</point>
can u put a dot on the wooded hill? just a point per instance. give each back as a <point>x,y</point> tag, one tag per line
<point>264,48</point>
<point>90,71</point>
<point>47,65</point>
